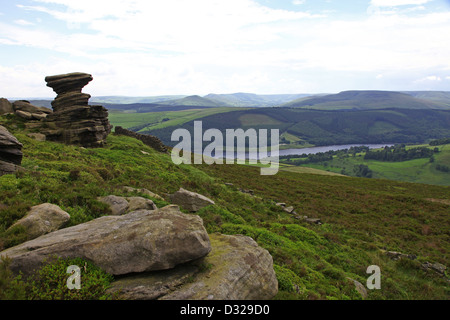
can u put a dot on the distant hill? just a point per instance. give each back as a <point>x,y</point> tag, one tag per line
<point>195,101</point>
<point>325,127</point>
<point>365,100</point>
<point>254,100</point>
<point>129,100</point>
<point>441,97</point>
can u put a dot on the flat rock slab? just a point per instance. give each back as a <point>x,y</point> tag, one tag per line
<point>140,241</point>
<point>236,269</point>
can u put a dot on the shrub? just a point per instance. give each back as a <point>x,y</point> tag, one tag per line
<point>50,282</point>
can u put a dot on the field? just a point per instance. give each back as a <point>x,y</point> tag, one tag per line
<point>158,120</point>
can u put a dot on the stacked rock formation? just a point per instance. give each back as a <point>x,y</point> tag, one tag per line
<point>73,121</point>
<point>10,152</point>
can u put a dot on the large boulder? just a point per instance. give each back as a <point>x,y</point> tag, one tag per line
<point>10,152</point>
<point>24,109</point>
<point>5,106</point>
<point>189,200</point>
<point>43,219</point>
<point>140,241</point>
<point>236,269</point>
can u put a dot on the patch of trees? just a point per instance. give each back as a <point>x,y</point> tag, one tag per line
<point>399,153</point>
<point>439,142</point>
<point>322,156</point>
<point>362,171</point>
<point>443,168</point>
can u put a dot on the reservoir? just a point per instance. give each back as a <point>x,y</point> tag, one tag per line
<point>313,150</point>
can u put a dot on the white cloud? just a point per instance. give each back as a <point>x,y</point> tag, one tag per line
<point>298,2</point>
<point>23,22</point>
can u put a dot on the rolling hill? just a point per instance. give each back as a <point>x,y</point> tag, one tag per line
<point>366,100</point>
<point>194,101</point>
<point>254,100</point>
<point>323,127</point>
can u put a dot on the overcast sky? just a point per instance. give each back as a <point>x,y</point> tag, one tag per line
<point>159,47</point>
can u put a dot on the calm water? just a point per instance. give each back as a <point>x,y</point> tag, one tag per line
<point>313,150</point>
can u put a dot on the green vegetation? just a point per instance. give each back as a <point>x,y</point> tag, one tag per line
<point>50,282</point>
<point>428,164</point>
<point>361,217</point>
<point>157,120</point>
<point>400,153</point>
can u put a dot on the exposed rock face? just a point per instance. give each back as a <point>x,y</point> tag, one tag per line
<point>5,106</point>
<point>10,152</point>
<point>136,242</point>
<point>189,200</point>
<point>73,120</point>
<point>149,140</point>
<point>43,219</point>
<point>236,269</point>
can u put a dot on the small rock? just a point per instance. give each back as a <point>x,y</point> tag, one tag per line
<point>439,268</point>
<point>37,136</point>
<point>118,205</point>
<point>143,191</point>
<point>24,115</point>
<point>43,219</point>
<point>281,204</point>
<point>360,288</point>
<point>139,203</point>
<point>189,200</point>
<point>5,106</point>
<point>288,209</point>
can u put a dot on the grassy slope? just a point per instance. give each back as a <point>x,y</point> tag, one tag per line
<point>361,216</point>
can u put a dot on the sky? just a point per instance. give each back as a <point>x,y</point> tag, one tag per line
<point>187,47</point>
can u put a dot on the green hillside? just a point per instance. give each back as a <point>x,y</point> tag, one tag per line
<point>365,100</point>
<point>441,97</point>
<point>362,218</point>
<point>319,127</point>
<point>157,120</point>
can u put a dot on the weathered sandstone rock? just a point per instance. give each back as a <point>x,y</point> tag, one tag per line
<point>189,200</point>
<point>10,152</point>
<point>5,106</point>
<point>122,205</point>
<point>73,120</point>
<point>236,269</point>
<point>43,219</point>
<point>136,242</point>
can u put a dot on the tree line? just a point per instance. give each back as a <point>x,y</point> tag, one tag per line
<point>400,153</point>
